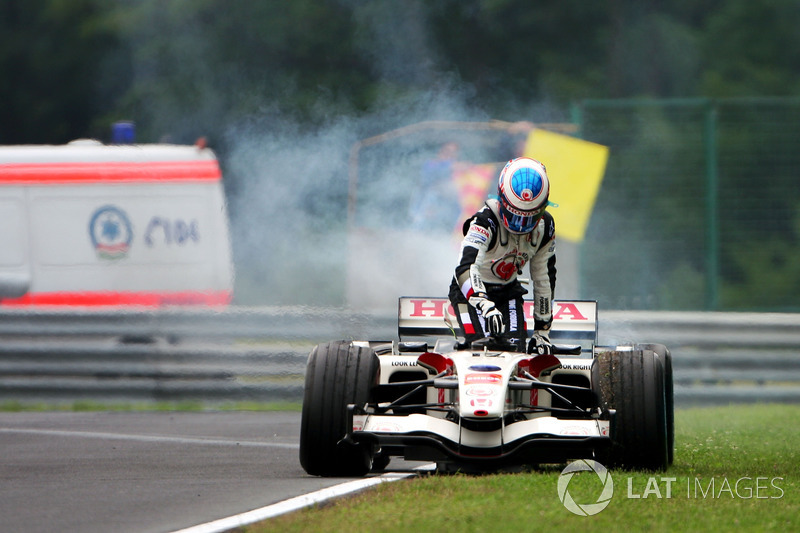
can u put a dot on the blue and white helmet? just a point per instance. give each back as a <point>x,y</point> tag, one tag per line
<point>523,191</point>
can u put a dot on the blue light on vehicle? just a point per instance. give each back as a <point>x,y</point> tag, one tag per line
<point>485,368</point>
<point>123,132</point>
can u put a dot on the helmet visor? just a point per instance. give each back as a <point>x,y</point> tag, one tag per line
<point>520,223</point>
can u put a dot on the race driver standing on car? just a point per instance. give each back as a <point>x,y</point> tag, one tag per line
<point>511,231</point>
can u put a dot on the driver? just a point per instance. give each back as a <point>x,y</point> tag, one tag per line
<point>510,231</point>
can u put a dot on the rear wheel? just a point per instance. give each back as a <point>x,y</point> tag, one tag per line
<point>633,383</point>
<point>337,374</point>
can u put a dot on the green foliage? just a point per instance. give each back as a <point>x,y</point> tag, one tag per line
<point>767,277</point>
<point>752,48</point>
<point>202,64</point>
<point>282,71</point>
<point>51,54</point>
<point>183,67</point>
<point>663,210</point>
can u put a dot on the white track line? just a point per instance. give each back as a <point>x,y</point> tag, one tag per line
<point>293,504</point>
<point>149,438</point>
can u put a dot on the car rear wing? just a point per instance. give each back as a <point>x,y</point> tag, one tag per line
<point>573,320</point>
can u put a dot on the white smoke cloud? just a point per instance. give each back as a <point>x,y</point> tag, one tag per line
<point>288,182</point>
<point>289,209</point>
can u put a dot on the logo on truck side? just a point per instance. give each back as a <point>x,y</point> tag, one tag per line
<point>161,229</point>
<point>111,232</point>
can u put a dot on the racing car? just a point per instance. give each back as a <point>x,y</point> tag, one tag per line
<point>426,396</point>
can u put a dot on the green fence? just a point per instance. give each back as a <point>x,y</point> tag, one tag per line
<point>699,207</point>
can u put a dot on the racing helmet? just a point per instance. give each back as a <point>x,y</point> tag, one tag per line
<point>522,191</point>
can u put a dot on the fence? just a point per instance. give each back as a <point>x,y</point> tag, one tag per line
<point>258,354</point>
<point>699,207</point>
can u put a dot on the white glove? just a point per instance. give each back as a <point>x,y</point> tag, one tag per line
<point>493,317</point>
<point>539,343</point>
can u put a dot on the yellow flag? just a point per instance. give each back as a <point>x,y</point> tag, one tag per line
<point>575,168</point>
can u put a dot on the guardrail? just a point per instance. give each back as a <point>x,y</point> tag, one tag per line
<point>719,358</point>
<point>258,354</point>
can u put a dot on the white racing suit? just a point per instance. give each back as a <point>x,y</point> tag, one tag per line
<point>491,259</point>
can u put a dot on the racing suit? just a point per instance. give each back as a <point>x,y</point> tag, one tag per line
<point>491,259</point>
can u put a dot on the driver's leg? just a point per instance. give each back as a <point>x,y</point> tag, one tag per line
<point>514,318</point>
<point>472,324</point>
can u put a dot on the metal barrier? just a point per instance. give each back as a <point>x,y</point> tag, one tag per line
<point>259,354</point>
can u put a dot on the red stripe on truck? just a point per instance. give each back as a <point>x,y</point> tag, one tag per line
<point>109,171</point>
<point>107,298</point>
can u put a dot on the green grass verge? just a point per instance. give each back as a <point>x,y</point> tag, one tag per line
<point>87,405</point>
<point>756,446</point>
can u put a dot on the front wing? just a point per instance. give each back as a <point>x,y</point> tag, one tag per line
<point>539,440</point>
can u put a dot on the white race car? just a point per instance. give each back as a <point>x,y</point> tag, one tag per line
<point>487,406</point>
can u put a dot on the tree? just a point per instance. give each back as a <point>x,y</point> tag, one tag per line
<point>51,52</point>
<point>199,65</point>
<point>752,49</point>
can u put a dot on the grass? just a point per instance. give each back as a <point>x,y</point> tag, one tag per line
<point>755,446</point>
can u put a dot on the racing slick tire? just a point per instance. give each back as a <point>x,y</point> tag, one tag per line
<point>633,384</point>
<point>337,374</point>
<point>665,357</point>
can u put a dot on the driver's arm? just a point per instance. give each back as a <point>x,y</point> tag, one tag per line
<point>473,253</point>
<point>543,277</point>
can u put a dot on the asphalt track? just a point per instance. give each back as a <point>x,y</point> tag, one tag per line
<point>145,471</point>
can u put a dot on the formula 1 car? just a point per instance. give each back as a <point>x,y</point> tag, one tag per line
<point>487,406</point>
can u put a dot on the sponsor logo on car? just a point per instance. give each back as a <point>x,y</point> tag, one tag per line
<point>435,308</point>
<point>574,430</point>
<point>481,402</point>
<point>491,379</point>
<point>477,390</point>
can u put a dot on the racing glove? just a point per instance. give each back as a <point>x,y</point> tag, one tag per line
<point>539,343</point>
<point>490,313</point>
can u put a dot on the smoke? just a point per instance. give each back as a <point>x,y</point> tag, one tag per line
<point>394,37</point>
<point>289,209</point>
<point>287,182</point>
<point>289,203</point>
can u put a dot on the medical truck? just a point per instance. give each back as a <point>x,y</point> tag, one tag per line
<point>90,224</point>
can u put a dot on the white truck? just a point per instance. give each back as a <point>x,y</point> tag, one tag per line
<point>90,224</point>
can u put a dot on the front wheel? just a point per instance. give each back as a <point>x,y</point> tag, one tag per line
<point>337,374</point>
<point>665,357</point>
<point>633,384</point>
